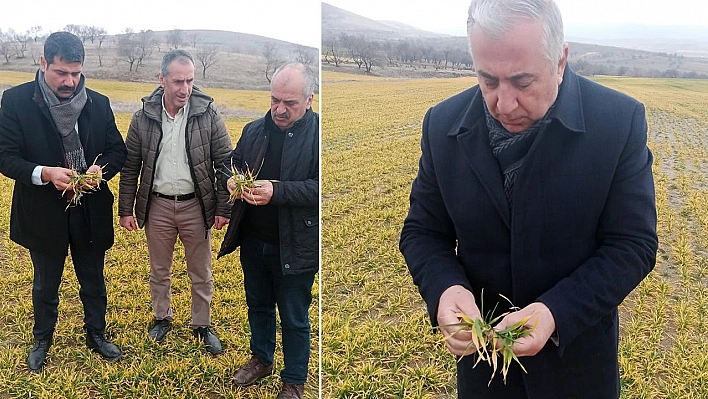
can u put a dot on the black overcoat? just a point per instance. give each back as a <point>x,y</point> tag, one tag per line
<point>581,233</point>
<point>28,137</point>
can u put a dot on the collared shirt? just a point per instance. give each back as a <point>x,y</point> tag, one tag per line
<point>172,175</point>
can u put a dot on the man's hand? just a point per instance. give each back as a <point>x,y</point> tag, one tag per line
<point>231,186</point>
<point>541,317</point>
<point>128,222</point>
<point>261,194</point>
<point>95,169</point>
<point>56,175</point>
<point>220,222</point>
<point>457,299</point>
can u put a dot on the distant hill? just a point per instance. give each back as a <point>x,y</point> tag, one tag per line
<point>244,43</point>
<point>240,61</point>
<point>336,20</point>
<point>416,52</point>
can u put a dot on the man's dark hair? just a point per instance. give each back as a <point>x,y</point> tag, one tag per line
<point>66,45</point>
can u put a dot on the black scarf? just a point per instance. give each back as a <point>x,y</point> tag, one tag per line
<point>510,149</point>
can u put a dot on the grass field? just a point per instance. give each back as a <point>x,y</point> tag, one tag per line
<point>376,336</point>
<point>178,368</point>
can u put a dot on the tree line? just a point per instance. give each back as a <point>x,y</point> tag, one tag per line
<point>368,53</point>
<point>452,53</point>
<point>135,48</point>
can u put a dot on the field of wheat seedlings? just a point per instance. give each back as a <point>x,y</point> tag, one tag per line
<point>377,341</point>
<point>178,368</point>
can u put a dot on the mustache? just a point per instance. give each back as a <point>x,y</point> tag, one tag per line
<point>285,115</point>
<point>66,88</point>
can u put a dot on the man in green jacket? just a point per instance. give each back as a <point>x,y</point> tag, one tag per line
<point>175,143</point>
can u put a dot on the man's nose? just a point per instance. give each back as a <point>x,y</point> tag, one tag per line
<point>507,100</point>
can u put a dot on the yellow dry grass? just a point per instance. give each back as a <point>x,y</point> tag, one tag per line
<point>377,341</point>
<point>178,368</point>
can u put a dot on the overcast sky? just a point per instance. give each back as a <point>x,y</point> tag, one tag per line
<point>295,21</point>
<point>450,16</point>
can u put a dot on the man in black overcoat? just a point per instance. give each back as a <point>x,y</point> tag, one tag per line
<point>535,184</point>
<point>51,128</point>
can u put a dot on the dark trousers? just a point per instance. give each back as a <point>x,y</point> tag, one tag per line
<point>266,287</point>
<point>88,265</point>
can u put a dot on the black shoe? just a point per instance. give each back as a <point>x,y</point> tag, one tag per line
<point>159,329</point>
<point>211,341</point>
<point>98,343</point>
<point>38,355</point>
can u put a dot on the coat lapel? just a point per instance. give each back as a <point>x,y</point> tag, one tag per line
<point>472,136</point>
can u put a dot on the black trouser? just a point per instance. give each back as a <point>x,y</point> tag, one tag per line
<point>88,265</point>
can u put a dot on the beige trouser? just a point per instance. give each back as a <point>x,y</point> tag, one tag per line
<point>167,220</point>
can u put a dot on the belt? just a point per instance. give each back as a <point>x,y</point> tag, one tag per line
<point>183,197</point>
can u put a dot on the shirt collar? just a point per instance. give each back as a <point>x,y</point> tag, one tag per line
<point>182,111</point>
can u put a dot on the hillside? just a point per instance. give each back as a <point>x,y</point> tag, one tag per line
<point>394,49</point>
<point>336,20</point>
<point>239,60</point>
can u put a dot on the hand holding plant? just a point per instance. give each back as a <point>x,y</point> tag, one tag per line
<point>83,183</point>
<point>489,342</point>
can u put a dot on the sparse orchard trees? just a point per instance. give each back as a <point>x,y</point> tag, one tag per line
<point>207,57</point>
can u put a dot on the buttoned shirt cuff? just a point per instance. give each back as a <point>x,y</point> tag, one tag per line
<point>37,176</point>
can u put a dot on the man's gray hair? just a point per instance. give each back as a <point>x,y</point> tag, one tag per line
<point>497,17</point>
<point>307,74</point>
<point>180,55</point>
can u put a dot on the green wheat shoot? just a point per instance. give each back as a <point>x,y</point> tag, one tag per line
<point>489,343</point>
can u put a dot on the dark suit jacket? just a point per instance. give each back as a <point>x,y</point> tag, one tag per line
<point>580,235</point>
<point>28,137</point>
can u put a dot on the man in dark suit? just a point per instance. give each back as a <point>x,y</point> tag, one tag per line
<point>51,128</point>
<point>537,185</point>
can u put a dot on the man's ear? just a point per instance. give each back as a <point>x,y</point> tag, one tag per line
<point>562,63</point>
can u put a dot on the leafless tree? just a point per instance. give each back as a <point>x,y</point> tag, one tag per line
<point>174,39</point>
<point>193,37</point>
<point>95,32</point>
<point>207,57</point>
<point>272,58</point>
<point>144,46</point>
<point>82,31</point>
<point>6,48</point>
<point>128,47</point>
<point>34,32</point>
<point>35,52</point>
<point>101,37</point>
<point>305,55</point>
<point>369,54</point>
<point>334,49</point>
<point>21,42</point>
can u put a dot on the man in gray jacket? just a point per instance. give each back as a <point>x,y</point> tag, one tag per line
<point>174,144</point>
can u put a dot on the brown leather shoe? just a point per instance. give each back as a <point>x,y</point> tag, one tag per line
<point>251,372</point>
<point>291,391</point>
